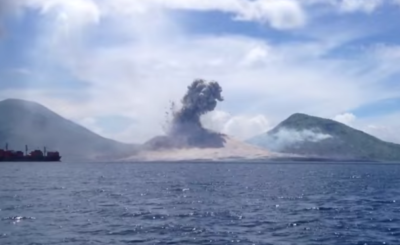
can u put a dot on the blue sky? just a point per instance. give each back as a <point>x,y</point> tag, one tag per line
<point>114,65</point>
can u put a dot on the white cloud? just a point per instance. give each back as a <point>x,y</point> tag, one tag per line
<point>352,6</point>
<point>91,123</point>
<point>349,6</point>
<point>385,127</point>
<point>280,14</point>
<point>367,6</point>
<point>345,118</point>
<point>259,55</point>
<point>289,137</point>
<point>242,127</point>
<point>137,77</point>
<point>79,12</point>
<point>384,132</point>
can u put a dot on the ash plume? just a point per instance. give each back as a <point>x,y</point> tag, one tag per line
<point>201,97</point>
<point>186,129</point>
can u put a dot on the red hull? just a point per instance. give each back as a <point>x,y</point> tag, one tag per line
<point>30,159</point>
<point>34,156</point>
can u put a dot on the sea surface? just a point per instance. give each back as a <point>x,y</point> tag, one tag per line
<point>202,203</point>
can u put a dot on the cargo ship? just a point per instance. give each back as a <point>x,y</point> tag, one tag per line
<point>34,156</point>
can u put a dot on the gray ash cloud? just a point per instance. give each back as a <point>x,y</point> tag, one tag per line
<point>186,129</point>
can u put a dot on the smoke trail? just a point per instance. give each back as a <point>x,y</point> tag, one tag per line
<point>186,129</point>
<point>286,137</point>
<point>201,97</point>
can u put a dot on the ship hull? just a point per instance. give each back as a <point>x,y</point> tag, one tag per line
<point>31,159</point>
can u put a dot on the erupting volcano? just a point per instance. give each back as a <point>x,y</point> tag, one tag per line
<point>186,130</point>
<point>186,139</point>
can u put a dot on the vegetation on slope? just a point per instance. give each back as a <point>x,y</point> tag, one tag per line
<point>343,141</point>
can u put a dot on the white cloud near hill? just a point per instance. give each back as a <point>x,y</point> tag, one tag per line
<point>140,63</point>
<point>385,127</point>
<point>345,118</point>
<point>242,127</point>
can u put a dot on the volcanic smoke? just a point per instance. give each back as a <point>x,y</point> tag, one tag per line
<point>186,130</point>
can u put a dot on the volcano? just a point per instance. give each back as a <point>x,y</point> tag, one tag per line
<point>231,150</point>
<point>185,129</point>
<point>187,140</point>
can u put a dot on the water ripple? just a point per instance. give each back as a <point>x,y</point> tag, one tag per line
<point>150,204</point>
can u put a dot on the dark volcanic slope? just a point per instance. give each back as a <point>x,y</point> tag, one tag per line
<point>344,141</point>
<point>23,122</point>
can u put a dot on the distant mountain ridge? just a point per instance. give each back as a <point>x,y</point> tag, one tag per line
<point>314,136</point>
<point>29,123</point>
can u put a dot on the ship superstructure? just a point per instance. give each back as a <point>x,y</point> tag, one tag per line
<point>7,155</point>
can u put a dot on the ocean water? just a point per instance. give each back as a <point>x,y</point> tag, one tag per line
<point>114,203</point>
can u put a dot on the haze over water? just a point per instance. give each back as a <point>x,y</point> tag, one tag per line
<point>51,203</point>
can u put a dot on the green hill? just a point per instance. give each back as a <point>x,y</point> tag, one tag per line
<point>314,136</point>
<point>29,123</point>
